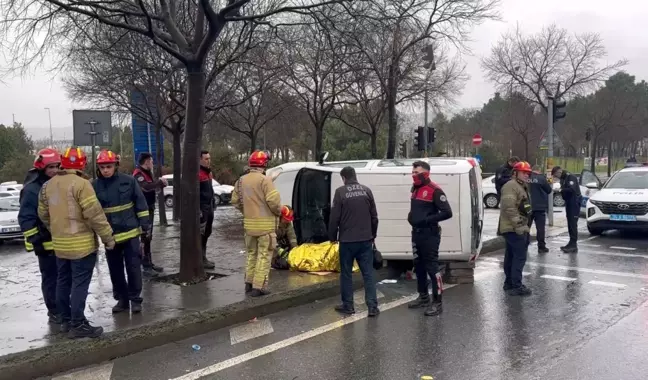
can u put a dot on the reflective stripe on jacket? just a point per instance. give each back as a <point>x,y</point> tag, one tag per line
<point>514,195</point>
<point>36,234</point>
<point>255,195</point>
<point>69,208</point>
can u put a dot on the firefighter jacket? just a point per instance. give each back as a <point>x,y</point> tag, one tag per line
<point>69,208</point>
<point>256,197</point>
<point>286,237</point>
<point>124,205</point>
<point>148,186</point>
<point>514,208</point>
<point>206,191</point>
<point>37,236</point>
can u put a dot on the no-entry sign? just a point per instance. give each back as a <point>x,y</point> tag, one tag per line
<point>477,139</point>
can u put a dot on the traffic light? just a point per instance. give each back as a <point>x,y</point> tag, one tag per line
<point>559,109</point>
<point>588,134</point>
<point>419,138</point>
<point>428,58</point>
<point>431,132</point>
<point>403,149</point>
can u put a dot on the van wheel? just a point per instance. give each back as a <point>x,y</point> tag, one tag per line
<point>491,200</point>
<point>558,200</point>
<point>594,231</point>
<point>168,201</point>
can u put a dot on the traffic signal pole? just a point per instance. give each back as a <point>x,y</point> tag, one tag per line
<point>550,134</point>
<point>426,100</point>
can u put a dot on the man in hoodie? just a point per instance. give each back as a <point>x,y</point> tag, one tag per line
<point>539,189</point>
<point>37,237</point>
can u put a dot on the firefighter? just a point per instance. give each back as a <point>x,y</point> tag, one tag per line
<point>127,211</point>
<point>429,206</point>
<point>37,237</point>
<point>256,197</point>
<point>69,208</point>
<point>286,238</point>
<point>570,191</point>
<point>143,173</point>
<point>207,206</point>
<point>515,211</point>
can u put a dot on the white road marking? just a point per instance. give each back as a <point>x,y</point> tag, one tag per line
<point>526,273</point>
<point>577,269</point>
<point>102,372</point>
<point>358,296</point>
<point>616,254</point>
<point>561,278</point>
<point>212,369</point>
<point>609,284</point>
<point>250,330</point>
<point>589,238</point>
<point>624,248</point>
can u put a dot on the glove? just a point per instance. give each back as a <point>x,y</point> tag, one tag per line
<point>145,234</point>
<point>110,245</point>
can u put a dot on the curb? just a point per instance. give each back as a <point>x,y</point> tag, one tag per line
<point>73,354</point>
<point>498,243</point>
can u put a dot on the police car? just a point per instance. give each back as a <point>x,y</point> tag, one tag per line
<point>9,227</point>
<point>622,203</point>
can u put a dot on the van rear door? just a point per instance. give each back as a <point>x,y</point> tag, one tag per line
<point>311,202</point>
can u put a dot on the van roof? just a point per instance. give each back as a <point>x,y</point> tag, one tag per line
<point>444,164</point>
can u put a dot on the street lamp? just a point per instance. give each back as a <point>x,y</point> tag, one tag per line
<point>49,113</point>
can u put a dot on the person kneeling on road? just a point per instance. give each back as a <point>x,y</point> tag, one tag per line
<point>428,207</point>
<point>515,210</point>
<point>286,238</point>
<point>125,207</point>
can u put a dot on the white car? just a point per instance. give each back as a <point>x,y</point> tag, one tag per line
<point>222,193</point>
<point>622,203</point>
<point>9,227</point>
<point>492,201</point>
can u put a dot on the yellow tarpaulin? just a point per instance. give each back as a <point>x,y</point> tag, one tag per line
<point>323,257</point>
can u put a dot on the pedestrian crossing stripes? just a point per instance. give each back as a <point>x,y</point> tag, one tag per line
<point>561,278</point>
<point>608,284</point>
<point>101,372</point>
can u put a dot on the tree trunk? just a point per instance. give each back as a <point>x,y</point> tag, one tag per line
<point>191,265</point>
<point>177,162</point>
<point>158,160</point>
<point>319,137</point>
<point>374,143</point>
<point>610,159</point>
<point>253,141</point>
<point>392,92</point>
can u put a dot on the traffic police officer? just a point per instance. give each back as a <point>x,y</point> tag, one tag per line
<point>429,206</point>
<point>515,210</point>
<point>570,191</point>
<point>128,214</point>
<point>207,208</point>
<point>256,197</point>
<point>143,173</point>
<point>539,189</point>
<point>37,237</point>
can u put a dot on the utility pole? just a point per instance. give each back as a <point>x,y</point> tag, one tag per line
<point>429,64</point>
<point>93,136</point>
<point>49,113</point>
<point>550,120</point>
<point>425,119</point>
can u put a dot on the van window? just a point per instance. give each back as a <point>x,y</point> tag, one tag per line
<point>355,164</point>
<point>312,205</point>
<point>475,235</point>
<point>169,182</point>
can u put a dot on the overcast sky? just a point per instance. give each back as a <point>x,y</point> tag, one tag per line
<point>621,23</point>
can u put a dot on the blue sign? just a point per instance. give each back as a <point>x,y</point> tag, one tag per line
<point>144,116</point>
<point>478,157</point>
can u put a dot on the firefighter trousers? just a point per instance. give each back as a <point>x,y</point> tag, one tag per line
<point>259,254</point>
<point>126,255</point>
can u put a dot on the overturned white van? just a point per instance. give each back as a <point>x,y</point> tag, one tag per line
<point>309,187</point>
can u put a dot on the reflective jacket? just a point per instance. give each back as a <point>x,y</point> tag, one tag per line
<point>286,236</point>
<point>256,197</point>
<point>124,205</point>
<point>37,236</point>
<point>69,208</point>
<point>514,208</point>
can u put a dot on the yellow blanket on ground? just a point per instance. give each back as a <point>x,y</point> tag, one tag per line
<point>323,257</point>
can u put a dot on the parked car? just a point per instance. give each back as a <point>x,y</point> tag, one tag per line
<point>222,193</point>
<point>492,201</point>
<point>11,187</point>
<point>9,227</point>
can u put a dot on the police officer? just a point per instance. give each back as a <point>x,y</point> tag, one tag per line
<point>539,189</point>
<point>515,210</point>
<point>127,212</point>
<point>428,207</point>
<point>37,237</point>
<point>256,197</point>
<point>286,238</point>
<point>570,191</point>
<point>503,174</point>
<point>207,206</point>
<point>143,173</point>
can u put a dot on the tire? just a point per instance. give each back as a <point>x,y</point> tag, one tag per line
<point>594,231</point>
<point>168,201</point>
<point>558,200</point>
<point>491,201</point>
<point>217,200</point>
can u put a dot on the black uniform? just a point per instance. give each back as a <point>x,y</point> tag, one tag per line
<point>38,239</point>
<point>503,174</point>
<point>206,209</point>
<point>429,206</point>
<point>539,188</point>
<point>570,190</point>
<point>149,187</point>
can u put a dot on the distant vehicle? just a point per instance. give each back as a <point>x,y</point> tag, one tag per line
<point>492,201</point>
<point>222,193</point>
<point>622,203</point>
<point>11,186</point>
<point>9,227</point>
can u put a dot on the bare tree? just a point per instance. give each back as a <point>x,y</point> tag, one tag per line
<point>552,62</point>
<point>520,119</point>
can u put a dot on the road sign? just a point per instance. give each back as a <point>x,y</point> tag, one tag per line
<point>144,126</point>
<point>477,139</point>
<point>83,122</point>
<point>478,157</point>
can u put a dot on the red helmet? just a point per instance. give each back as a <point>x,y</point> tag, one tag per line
<point>258,159</point>
<point>73,158</point>
<point>45,157</point>
<point>287,213</point>
<point>522,166</point>
<point>107,157</point>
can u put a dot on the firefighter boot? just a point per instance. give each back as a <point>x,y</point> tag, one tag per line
<point>85,330</point>
<point>434,308</point>
<point>248,287</point>
<point>136,307</point>
<point>423,300</point>
<point>121,306</point>
<point>570,248</point>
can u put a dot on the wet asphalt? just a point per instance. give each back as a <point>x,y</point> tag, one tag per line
<point>587,319</point>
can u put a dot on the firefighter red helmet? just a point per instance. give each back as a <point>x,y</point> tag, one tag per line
<point>107,157</point>
<point>259,159</point>
<point>46,157</point>
<point>522,166</point>
<point>287,213</point>
<point>73,158</point>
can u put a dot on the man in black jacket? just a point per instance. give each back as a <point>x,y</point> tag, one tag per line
<point>503,174</point>
<point>570,191</point>
<point>354,223</point>
<point>207,208</point>
<point>539,188</point>
<point>429,206</point>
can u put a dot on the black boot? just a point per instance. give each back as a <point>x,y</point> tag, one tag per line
<point>435,308</point>
<point>149,272</point>
<point>248,287</point>
<point>259,292</point>
<point>420,302</point>
<point>85,330</point>
<point>522,291</point>
<point>345,309</point>
<point>570,248</point>
<point>543,250</point>
<point>157,268</point>
<point>208,264</point>
<point>53,318</point>
<point>121,306</point>
<point>136,307</point>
